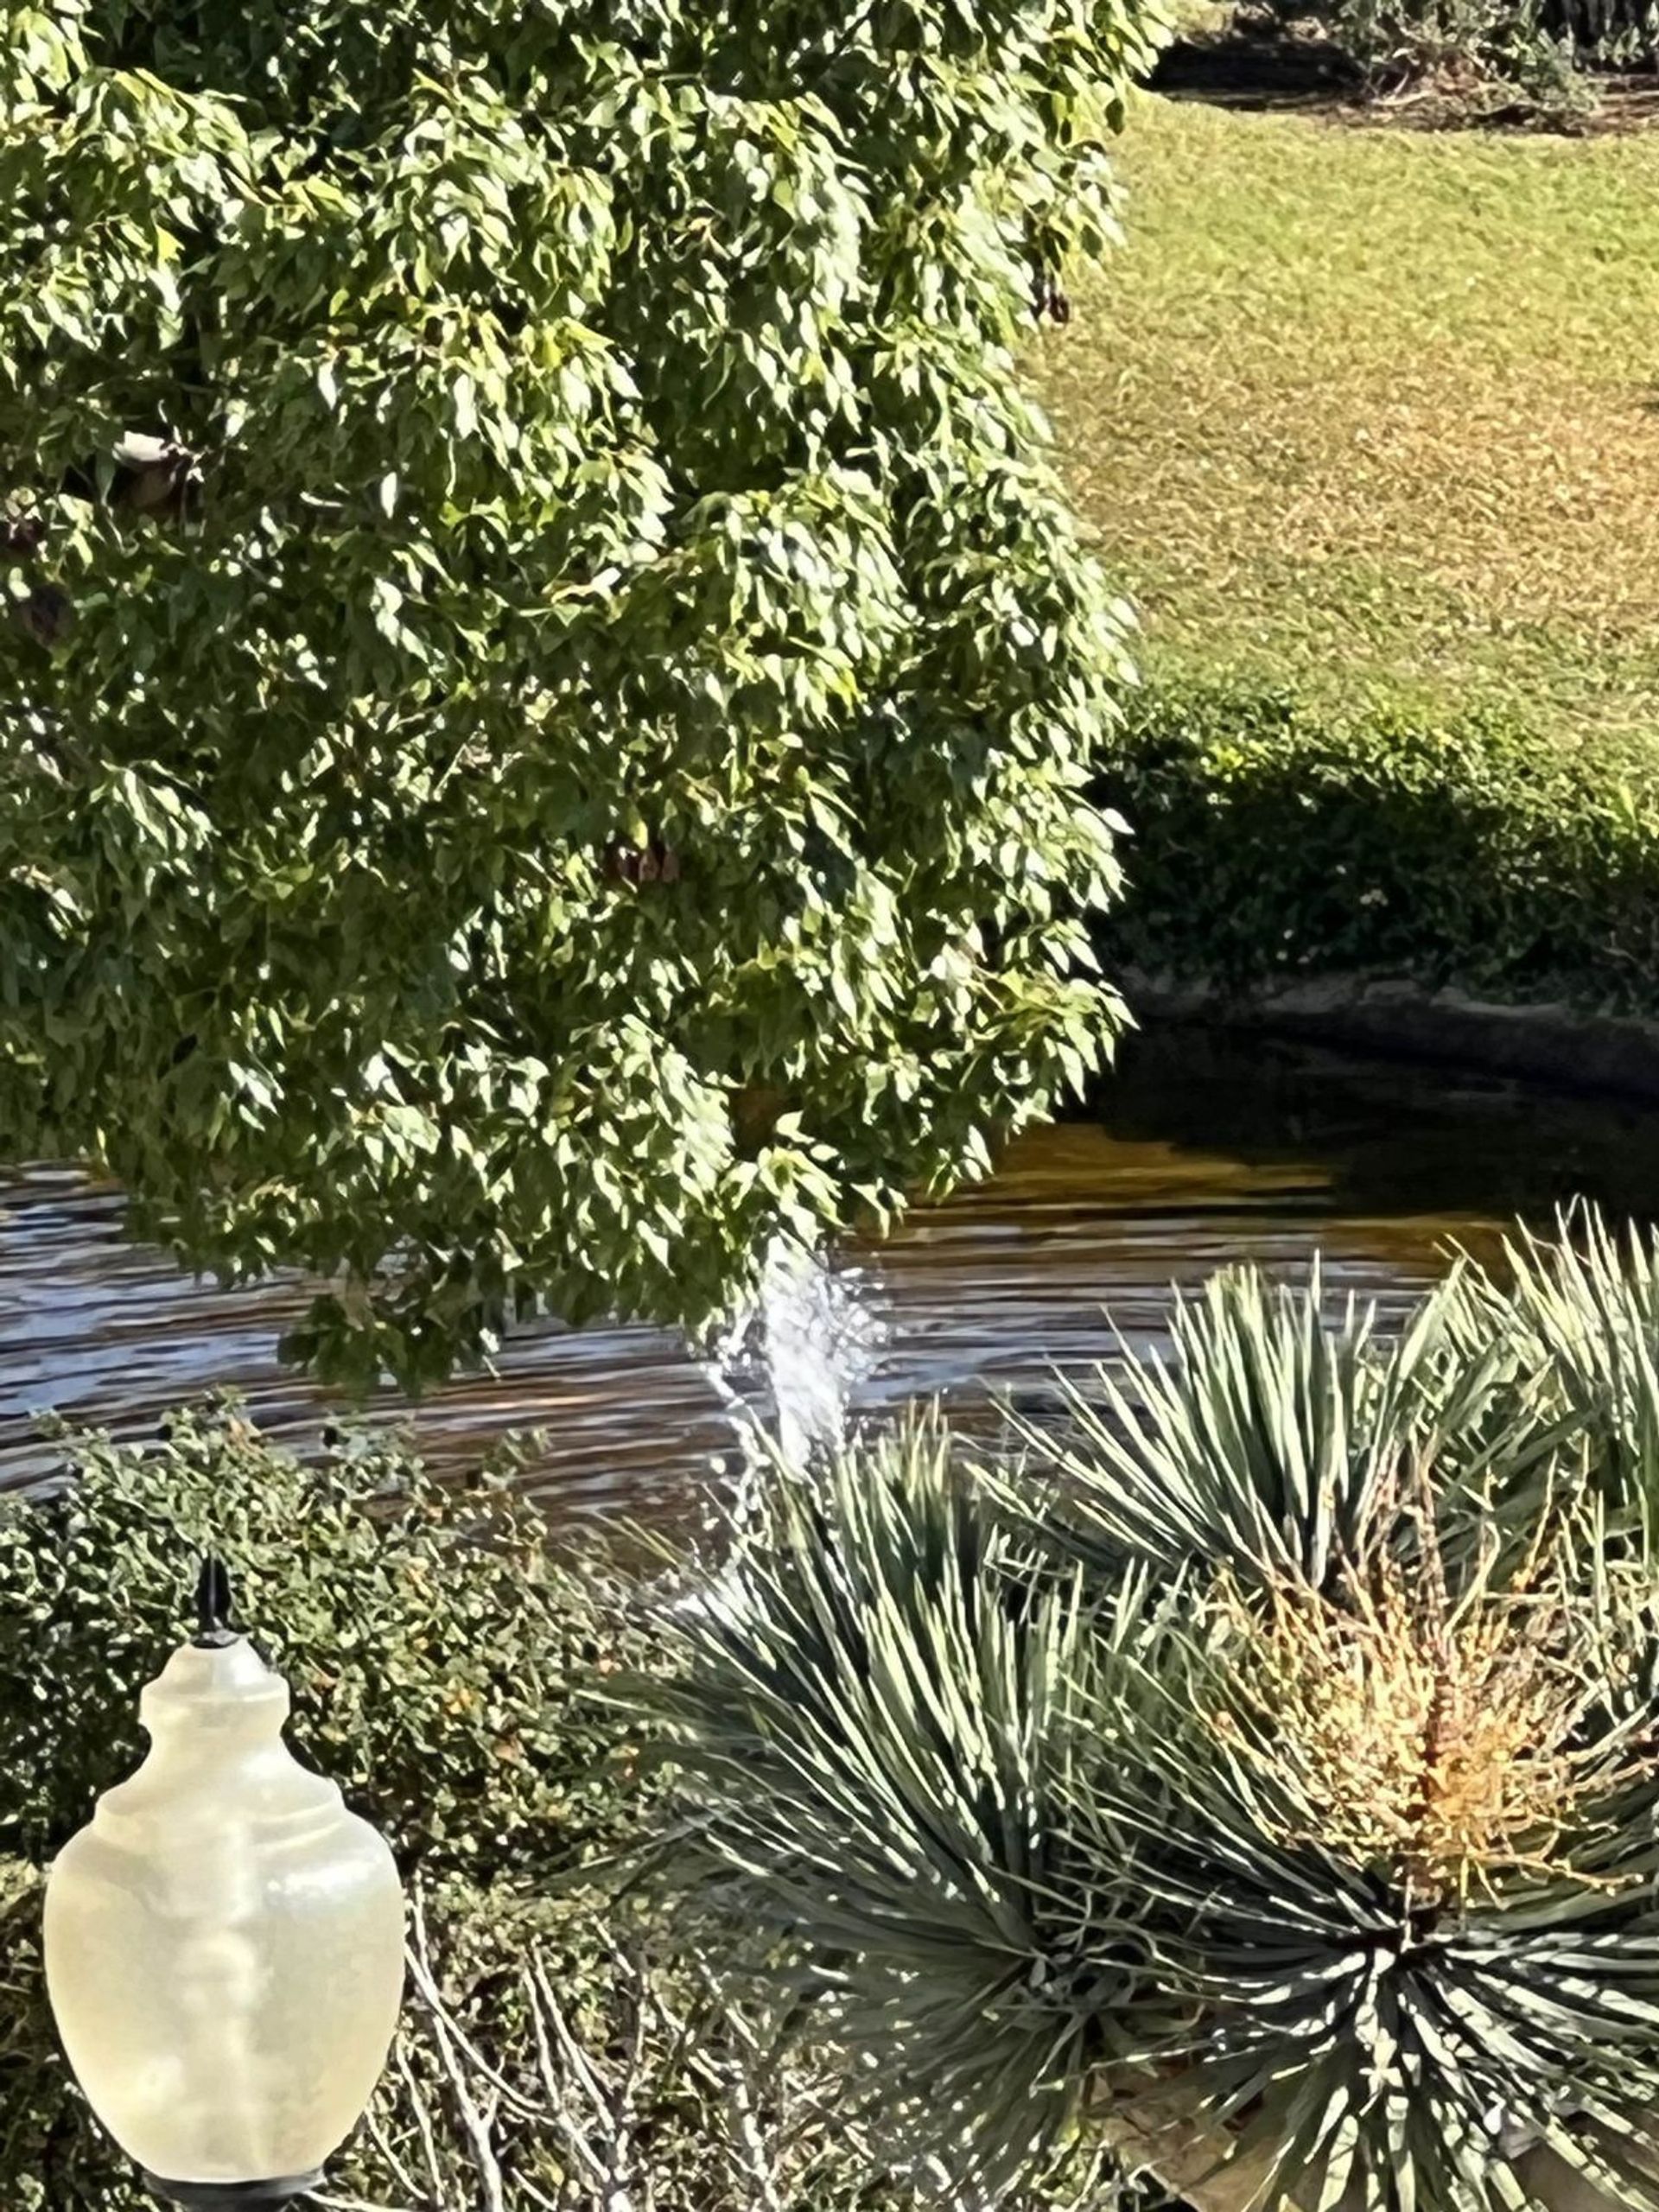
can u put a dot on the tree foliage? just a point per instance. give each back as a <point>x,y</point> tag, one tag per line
<point>548,692</point>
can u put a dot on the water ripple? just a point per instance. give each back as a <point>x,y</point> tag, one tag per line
<point>1207,1152</point>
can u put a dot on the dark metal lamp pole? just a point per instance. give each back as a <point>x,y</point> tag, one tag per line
<point>232,2196</point>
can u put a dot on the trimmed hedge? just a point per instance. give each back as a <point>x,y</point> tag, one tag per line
<point>1273,837</point>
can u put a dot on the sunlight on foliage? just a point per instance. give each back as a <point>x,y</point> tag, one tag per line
<point>551,693</point>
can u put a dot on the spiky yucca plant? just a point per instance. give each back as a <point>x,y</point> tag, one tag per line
<point>1575,1319</point>
<point>1264,1787</point>
<point>880,1707</point>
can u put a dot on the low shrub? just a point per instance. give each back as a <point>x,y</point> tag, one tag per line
<point>1274,837</point>
<point>453,1671</point>
<point>1500,59</point>
<point>443,1660</point>
<point>431,1639</point>
<point>1515,59</point>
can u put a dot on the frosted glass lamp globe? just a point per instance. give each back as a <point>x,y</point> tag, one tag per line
<point>224,1944</point>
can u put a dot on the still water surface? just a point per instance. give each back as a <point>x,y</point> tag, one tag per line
<point>1205,1149</point>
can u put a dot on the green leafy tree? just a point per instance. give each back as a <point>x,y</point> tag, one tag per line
<point>549,694</point>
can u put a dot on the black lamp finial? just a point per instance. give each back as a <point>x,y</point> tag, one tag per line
<point>213,1604</point>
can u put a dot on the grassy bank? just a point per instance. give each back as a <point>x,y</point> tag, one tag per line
<point>1367,422</point>
<point>1360,406</point>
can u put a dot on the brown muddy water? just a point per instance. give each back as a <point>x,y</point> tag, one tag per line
<point>1204,1149</point>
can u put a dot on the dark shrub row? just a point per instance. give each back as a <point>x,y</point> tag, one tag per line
<point>1275,838</point>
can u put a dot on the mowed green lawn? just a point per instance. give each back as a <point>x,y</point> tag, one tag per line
<point>1361,406</point>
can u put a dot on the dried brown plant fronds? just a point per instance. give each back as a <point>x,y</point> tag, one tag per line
<point>1444,1737</point>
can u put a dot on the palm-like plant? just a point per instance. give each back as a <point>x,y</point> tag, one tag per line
<point>883,1709</point>
<point>1261,1782</point>
<point>1262,1441</point>
<point>1575,1317</point>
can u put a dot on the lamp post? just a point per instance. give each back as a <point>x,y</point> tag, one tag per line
<point>224,1940</point>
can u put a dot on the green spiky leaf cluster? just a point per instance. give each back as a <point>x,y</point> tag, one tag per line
<point>1257,1778</point>
<point>547,692</point>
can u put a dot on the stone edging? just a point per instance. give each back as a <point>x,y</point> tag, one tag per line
<point>1557,1044</point>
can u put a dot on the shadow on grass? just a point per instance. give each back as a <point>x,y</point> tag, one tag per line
<point>1263,57</point>
<point>1281,59</point>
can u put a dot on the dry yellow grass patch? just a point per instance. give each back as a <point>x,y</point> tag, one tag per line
<point>1368,403</point>
<point>1447,1738</point>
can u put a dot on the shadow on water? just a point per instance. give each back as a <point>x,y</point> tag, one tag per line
<point>1399,1139</point>
<point>1206,1149</point>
